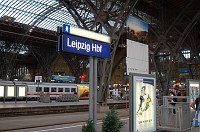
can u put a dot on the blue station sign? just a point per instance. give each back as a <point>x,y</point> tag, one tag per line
<point>80,45</point>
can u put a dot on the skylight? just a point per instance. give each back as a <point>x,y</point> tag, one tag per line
<point>45,14</point>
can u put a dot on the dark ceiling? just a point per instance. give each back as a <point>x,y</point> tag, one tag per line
<point>162,10</point>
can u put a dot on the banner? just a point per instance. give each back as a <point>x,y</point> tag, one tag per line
<point>137,29</point>
<point>137,59</point>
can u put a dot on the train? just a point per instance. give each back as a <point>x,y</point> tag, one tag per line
<point>33,90</point>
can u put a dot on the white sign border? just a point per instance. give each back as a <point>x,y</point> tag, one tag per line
<point>132,108</point>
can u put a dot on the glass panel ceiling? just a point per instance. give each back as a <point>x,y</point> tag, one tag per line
<point>45,14</point>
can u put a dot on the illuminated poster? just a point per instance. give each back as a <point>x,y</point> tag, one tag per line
<point>22,91</point>
<point>193,90</point>
<point>10,91</point>
<point>144,104</point>
<point>1,91</point>
<point>83,91</point>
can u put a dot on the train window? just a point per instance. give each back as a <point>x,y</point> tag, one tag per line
<point>38,89</point>
<point>53,89</point>
<point>46,89</point>
<point>60,89</point>
<point>73,90</point>
<point>67,89</point>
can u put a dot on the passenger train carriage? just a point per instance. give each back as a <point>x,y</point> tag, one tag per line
<point>54,89</point>
<point>32,90</point>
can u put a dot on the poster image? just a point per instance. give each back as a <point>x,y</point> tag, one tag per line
<point>83,91</point>
<point>193,90</point>
<point>22,91</point>
<point>144,104</point>
<point>138,29</point>
<point>10,91</point>
<point>1,91</point>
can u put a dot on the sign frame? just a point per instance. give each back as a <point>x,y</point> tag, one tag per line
<point>86,33</point>
<point>135,118</point>
<point>2,89</point>
<point>194,95</point>
<point>85,46</point>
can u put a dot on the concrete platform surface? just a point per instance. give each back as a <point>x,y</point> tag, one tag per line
<point>20,104</point>
<point>20,122</point>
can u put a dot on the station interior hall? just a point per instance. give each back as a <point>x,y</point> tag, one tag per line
<point>50,46</point>
<point>29,39</point>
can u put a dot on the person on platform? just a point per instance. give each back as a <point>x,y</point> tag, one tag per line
<point>173,100</point>
<point>195,103</point>
<point>195,114</point>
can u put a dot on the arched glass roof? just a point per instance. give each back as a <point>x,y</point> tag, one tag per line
<point>47,14</point>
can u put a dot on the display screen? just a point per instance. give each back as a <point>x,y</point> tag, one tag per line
<point>1,91</point>
<point>144,104</point>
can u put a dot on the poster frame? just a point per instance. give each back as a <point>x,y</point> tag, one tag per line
<point>132,100</point>
<point>2,89</point>
<point>188,87</point>
<point>19,91</point>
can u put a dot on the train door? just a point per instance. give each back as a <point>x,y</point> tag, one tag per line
<point>32,93</point>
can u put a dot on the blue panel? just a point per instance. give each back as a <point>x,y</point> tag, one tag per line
<point>184,71</point>
<point>187,71</point>
<point>66,28</point>
<point>148,81</point>
<point>63,78</point>
<point>79,45</point>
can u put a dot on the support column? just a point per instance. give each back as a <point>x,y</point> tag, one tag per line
<point>91,88</point>
<point>95,93</point>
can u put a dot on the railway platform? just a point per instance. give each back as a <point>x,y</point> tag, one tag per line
<point>22,122</point>
<point>36,114</point>
<point>16,123</point>
<point>21,108</point>
<point>32,114</point>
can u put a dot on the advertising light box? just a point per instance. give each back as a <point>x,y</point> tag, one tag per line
<point>1,91</point>
<point>193,89</point>
<point>22,91</point>
<point>143,103</point>
<point>10,91</point>
<point>83,91</point>
<point>79,45</point>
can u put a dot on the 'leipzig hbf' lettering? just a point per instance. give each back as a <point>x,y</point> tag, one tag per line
<point>79,45</point>
<point>96,48</point>
<point>84,46</point>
